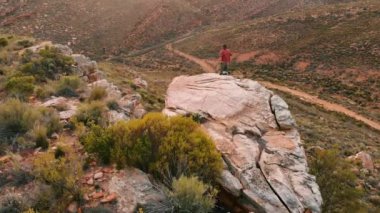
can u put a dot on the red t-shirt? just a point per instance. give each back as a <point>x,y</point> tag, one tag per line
<point>225,55</point>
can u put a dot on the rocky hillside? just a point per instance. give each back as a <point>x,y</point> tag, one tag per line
<point>74,114</point>
<point>121,26</point>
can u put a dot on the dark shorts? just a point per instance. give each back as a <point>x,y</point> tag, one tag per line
<point>224,68</point>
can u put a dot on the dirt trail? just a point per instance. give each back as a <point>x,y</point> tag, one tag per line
<point>207,67</point>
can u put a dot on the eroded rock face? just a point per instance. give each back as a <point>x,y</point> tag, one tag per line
<point>254,131</point>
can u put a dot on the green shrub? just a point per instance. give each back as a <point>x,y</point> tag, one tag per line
<point>20,87</point>
<point>113,105</point>
<point>50,119</point>
<point>167,147</point>
<point>39,135</point>
<point>16,118</point>
<point>97,94</point>
<point>62,174</point>
<point>337,182</point>
<point>45,199</point>
<point>93,113</point>
<point>46,90</point>
<point>12,204</point>
<point>25,43</point>
<point>191,195</point>
<point>188,194</point>
<point>30,211</point>
<point>27,56</point>
<point>98,210</point>
<point>98,141</point>
<point>21,177</point>
<point>59,152</point>
<point>68,86</point>
<point>50,65</point>
<point>3,42</point>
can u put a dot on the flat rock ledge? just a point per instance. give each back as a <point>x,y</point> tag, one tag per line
<point>265,163</point>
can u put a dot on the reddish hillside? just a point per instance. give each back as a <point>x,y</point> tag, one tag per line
<point>124,25</point>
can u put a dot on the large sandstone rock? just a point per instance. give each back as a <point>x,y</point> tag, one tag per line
<point>254,131</point>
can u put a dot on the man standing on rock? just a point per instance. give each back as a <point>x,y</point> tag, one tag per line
<point>225,59</point>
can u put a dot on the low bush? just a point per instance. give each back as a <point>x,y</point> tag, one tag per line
<point>68,86</point>
<point>59,152</point>
<point>20,87</point>
<point>337,182</point>
<point>191,195</point>
<point>62,174</point>
<point>93,113</point>
<point>188,194</point>
<point>25,43</point>
<point>45,91</point>
<point>39,135</point>
<point>21,177</point>
<point>50,65</point>
<point>50,119</point>
<point>98,210</point>
<point>113,105</point>
<point>12,204</point>
<point>18,118</point>
<point>99,142</point>
<point>97,94</point>
<point>167,147</point>
<point>3,42</point>
<point>30,211</point>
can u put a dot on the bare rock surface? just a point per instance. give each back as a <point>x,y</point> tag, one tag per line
<point>365,159</point>
<point>255,132</point>
<point>133,188</point>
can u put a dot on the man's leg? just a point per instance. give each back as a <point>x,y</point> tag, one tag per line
<point>224,69</point>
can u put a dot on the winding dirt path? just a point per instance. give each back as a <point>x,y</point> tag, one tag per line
<point>201,62</point>
<point>207,67</point>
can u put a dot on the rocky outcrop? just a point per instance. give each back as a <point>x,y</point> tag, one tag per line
<point>365,159</point>
<point>129,103</point>
<point>266,167</point>
<point>133,188</point>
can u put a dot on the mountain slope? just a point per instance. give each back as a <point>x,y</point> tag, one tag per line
<point>332,51</point>
<point>124,25</point>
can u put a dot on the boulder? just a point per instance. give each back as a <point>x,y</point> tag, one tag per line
<point>365,159</point>
<point>113,91</point>
<point>132,187</point>
<point>255,132</point>
<point>73,207</point>
<point>281,111</point>
<point>139,82</point>
<point>71,106</point>
<point>109,198</point>
<point>98,175</point>
<point>230,183</point>
<point>115,116</point>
